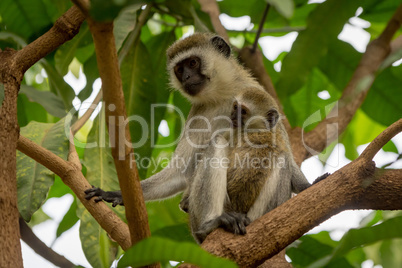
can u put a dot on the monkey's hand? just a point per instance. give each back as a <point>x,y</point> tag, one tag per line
<point>111,197</point>
<point>233,222</point>
<point>322,177</point>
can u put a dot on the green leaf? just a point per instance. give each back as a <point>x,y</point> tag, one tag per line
<point>312,44</point>
<point>27,18</point>
<point>178,232</point>
<point>98,159</point>
<point>33,179</point>
<point>109,9</point>
<point>66,53</point>
<point>339,63</point>
<point>59,86</point>
<point>383,101</point>
<point>307,251</point>
<point>19,41</point>
<point>355,238</point>
<point>99,250</point>
<point>306,102</point>
<point>144,82</point>
<point>157,249</point>
<point>284,7</point>
<point>101,172</point>
<point>124,24</point>
<point>59,189</point>
<point>29,111</point>
<point>361,130</point>
<point>52,103</point>
<point>69,219</point>
<point>91,73</point>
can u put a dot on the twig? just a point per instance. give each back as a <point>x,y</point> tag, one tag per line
<point>84,118</point>
<point>381,140</point>
<point>41,249</point>
<point>285,29</point>
<point>260,27</point>
<point>212,9</point>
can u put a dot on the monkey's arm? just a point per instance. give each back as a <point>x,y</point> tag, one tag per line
<point>113,197</point>
<point>298,180</point>
<point>166,183</point>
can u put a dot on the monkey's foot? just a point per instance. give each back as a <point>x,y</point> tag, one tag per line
<point>233,222</point>
<point>111,197</point>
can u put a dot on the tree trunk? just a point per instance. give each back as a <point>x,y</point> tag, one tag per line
<point>10,250</point>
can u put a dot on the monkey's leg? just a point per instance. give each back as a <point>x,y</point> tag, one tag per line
<point>208,195</point>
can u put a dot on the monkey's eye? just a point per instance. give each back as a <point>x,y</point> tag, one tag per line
<point>243,111</point>
<point>193,63</point>
<point>235,106</point>
<point>180,70</point>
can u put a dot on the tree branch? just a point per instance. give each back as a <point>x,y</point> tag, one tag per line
<point>127,172</point>
<point>354,93</point>
<point>358,185</point>
<point>64,29</point>
<point>41,249</point>
<point>261,26</point>
<point>74,179</point>
<point>381,140</point>
<point>212,9</point>
<point>84,118</point>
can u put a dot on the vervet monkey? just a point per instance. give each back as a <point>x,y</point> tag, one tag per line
<point>261,173</point>
<point>202,69</point>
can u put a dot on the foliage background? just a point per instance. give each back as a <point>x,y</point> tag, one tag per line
<point>312,76</point>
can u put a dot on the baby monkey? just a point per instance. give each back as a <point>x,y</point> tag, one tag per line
<point>261,173</point>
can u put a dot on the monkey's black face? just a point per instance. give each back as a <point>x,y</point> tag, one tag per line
<point>239,115</point>
<point>188,72</point>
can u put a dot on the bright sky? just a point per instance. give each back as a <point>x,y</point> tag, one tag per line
<point>69,244</point>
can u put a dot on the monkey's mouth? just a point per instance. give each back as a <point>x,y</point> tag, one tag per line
<point>194,88</point>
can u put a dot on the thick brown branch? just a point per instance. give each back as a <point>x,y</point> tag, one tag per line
<point>127,172</point>
<point>358,185</point>
<point>64,29</point>
<point>74,179</point>
<point>212,9</point>
<point>41,249</point>
<point>354,186</point>
<point>354,93</point>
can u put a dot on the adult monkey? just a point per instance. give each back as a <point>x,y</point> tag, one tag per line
<point>202,68</point>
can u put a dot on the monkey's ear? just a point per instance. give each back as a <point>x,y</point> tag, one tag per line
<point>221,45</point>
<point>272,117</point>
